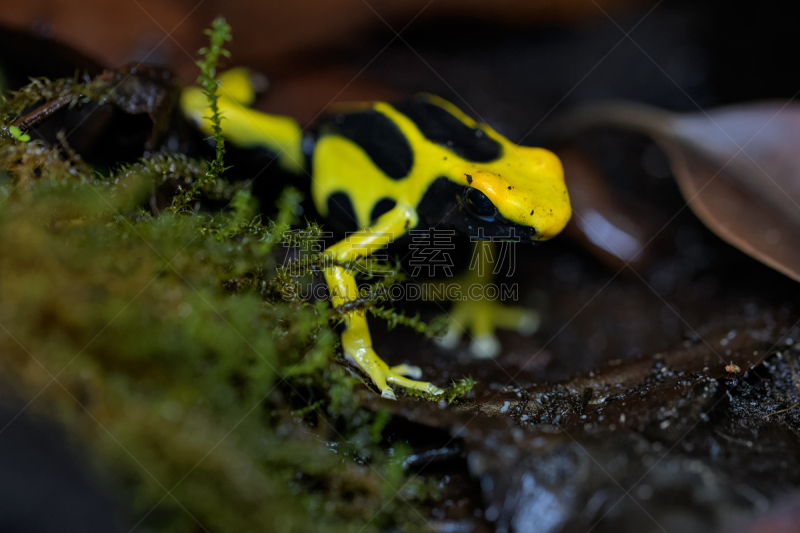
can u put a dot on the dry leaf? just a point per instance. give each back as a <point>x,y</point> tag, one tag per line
<point>737,167</point>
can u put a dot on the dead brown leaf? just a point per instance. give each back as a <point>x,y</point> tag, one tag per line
<point>738,168</point>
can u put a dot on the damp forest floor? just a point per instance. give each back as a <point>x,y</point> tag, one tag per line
<point>656,434</point>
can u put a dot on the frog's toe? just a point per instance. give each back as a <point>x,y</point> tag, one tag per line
<point>423,386</point>
<point>449,340</point>
<point>528,324</point>
<point>409,371</point>
<point>485,346</point>
<point>388,393</point>
<point>433,389</point>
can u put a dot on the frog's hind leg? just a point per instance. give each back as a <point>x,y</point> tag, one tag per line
<point>481,319</point>
<point>482,316</point>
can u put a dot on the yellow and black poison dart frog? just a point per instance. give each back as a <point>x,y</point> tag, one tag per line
<point>395,167</point>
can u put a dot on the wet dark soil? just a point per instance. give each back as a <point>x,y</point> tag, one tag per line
<point>666,441</point>
<point>641,405</point>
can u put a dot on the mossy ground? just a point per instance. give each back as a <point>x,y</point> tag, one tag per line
<point>208,401</point>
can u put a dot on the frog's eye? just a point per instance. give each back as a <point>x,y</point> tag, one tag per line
<point>479,205</point>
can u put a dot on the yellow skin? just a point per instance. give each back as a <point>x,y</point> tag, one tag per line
<point>525,185</point>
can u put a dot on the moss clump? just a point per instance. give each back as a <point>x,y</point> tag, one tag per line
<point>80,89</point>
<point>184,385</point>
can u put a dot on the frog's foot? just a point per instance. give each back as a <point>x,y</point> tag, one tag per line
<point>383,376</point>
<point>482,318</point>
<point>391,376</point>
<point>409,371</point>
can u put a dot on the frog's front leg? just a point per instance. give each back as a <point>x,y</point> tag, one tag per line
<point>473,311</point>
<point>356,339</point>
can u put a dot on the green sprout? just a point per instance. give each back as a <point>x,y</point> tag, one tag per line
<point>18,134</point>
<point>219,34</point>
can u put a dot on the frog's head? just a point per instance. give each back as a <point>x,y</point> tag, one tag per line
<point>522,194</point>
<point>489,186</point>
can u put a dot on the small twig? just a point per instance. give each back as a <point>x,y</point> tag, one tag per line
<point>782,410</point>
<point>44,111</point>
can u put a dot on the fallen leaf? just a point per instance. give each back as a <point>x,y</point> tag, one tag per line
<point>738,168</point>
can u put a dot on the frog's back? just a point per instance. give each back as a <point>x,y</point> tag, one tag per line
<point>370,156</point>
<point>359,162</point>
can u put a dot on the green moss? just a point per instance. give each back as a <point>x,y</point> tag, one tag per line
<point>80,89</point>
<point>184,380</point>
<point>458,389</point>
<point>219,34</point>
